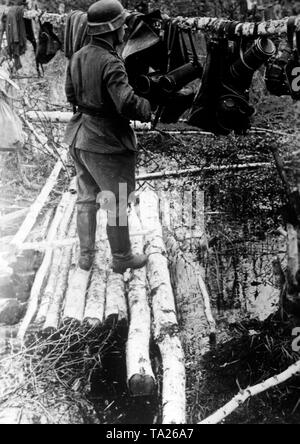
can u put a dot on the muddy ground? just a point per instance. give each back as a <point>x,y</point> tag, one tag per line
<point>243,211</point>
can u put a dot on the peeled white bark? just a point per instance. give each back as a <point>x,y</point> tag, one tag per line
<point>140,376</point>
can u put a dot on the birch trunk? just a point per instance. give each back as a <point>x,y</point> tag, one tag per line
<point>76,296</point>
<point>55,269</point>
<point>44,269</point>
<point>116,311</point>
<point>174,381</point>
<point>192,298</point>
<point>95,304</point>
<point>140,377</point>
<point>52,320</point>
<point>215,25</point>
<point>163,302</point>
<point>165,325</point>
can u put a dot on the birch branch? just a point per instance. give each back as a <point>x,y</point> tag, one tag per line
<point>250,392</point>
<point>204,24</point>
<point>211,169</point>
<point>207,25</point>
<point>39,203</point>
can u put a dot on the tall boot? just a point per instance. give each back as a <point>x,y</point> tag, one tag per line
<point>123,258</point>
<point>86,226</point>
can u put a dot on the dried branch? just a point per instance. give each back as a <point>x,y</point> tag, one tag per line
<point>250,392</point>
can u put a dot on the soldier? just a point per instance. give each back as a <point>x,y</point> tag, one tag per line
<point>102,143</point>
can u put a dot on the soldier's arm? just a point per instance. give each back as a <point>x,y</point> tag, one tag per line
<point>69,88</point>
<point>127,103</point>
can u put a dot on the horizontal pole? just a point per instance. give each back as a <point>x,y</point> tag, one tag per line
<point>203,24</point>
<point>216,26</point>
<point>66,116</point>
<point>63,117</point>
<point>211,169</point>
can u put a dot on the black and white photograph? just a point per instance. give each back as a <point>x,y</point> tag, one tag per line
<point>149,215</point>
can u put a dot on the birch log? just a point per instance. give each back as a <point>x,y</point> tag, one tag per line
<point>165,325</point>
<point>76,296</point>
<point>204,24</point>
<point>140,377</point>
<point>192,297</point>
<point>163,302</point>
<point>216,25</point>
<point>95,304</point>
<point>44,269</point>
<point>55,270</point>
<point>116,311</point>
<point>174,381</point>
<point>55,306</point>
<point>39,203</point>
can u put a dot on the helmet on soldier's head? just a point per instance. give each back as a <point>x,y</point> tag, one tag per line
<point>105,16</point>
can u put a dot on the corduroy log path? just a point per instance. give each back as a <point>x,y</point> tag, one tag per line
<point>141,303</point>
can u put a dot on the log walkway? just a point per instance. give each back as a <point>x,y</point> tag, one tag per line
<point>142,302</point>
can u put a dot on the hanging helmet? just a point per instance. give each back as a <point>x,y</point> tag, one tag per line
<point>106,16</point>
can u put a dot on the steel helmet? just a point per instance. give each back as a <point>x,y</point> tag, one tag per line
<point>106,16</point>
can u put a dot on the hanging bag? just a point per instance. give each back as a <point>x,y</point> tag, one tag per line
<point>48,45</point>
<point>222,104</point>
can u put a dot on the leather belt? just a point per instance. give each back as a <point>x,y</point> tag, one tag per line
<point>92,112</point>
